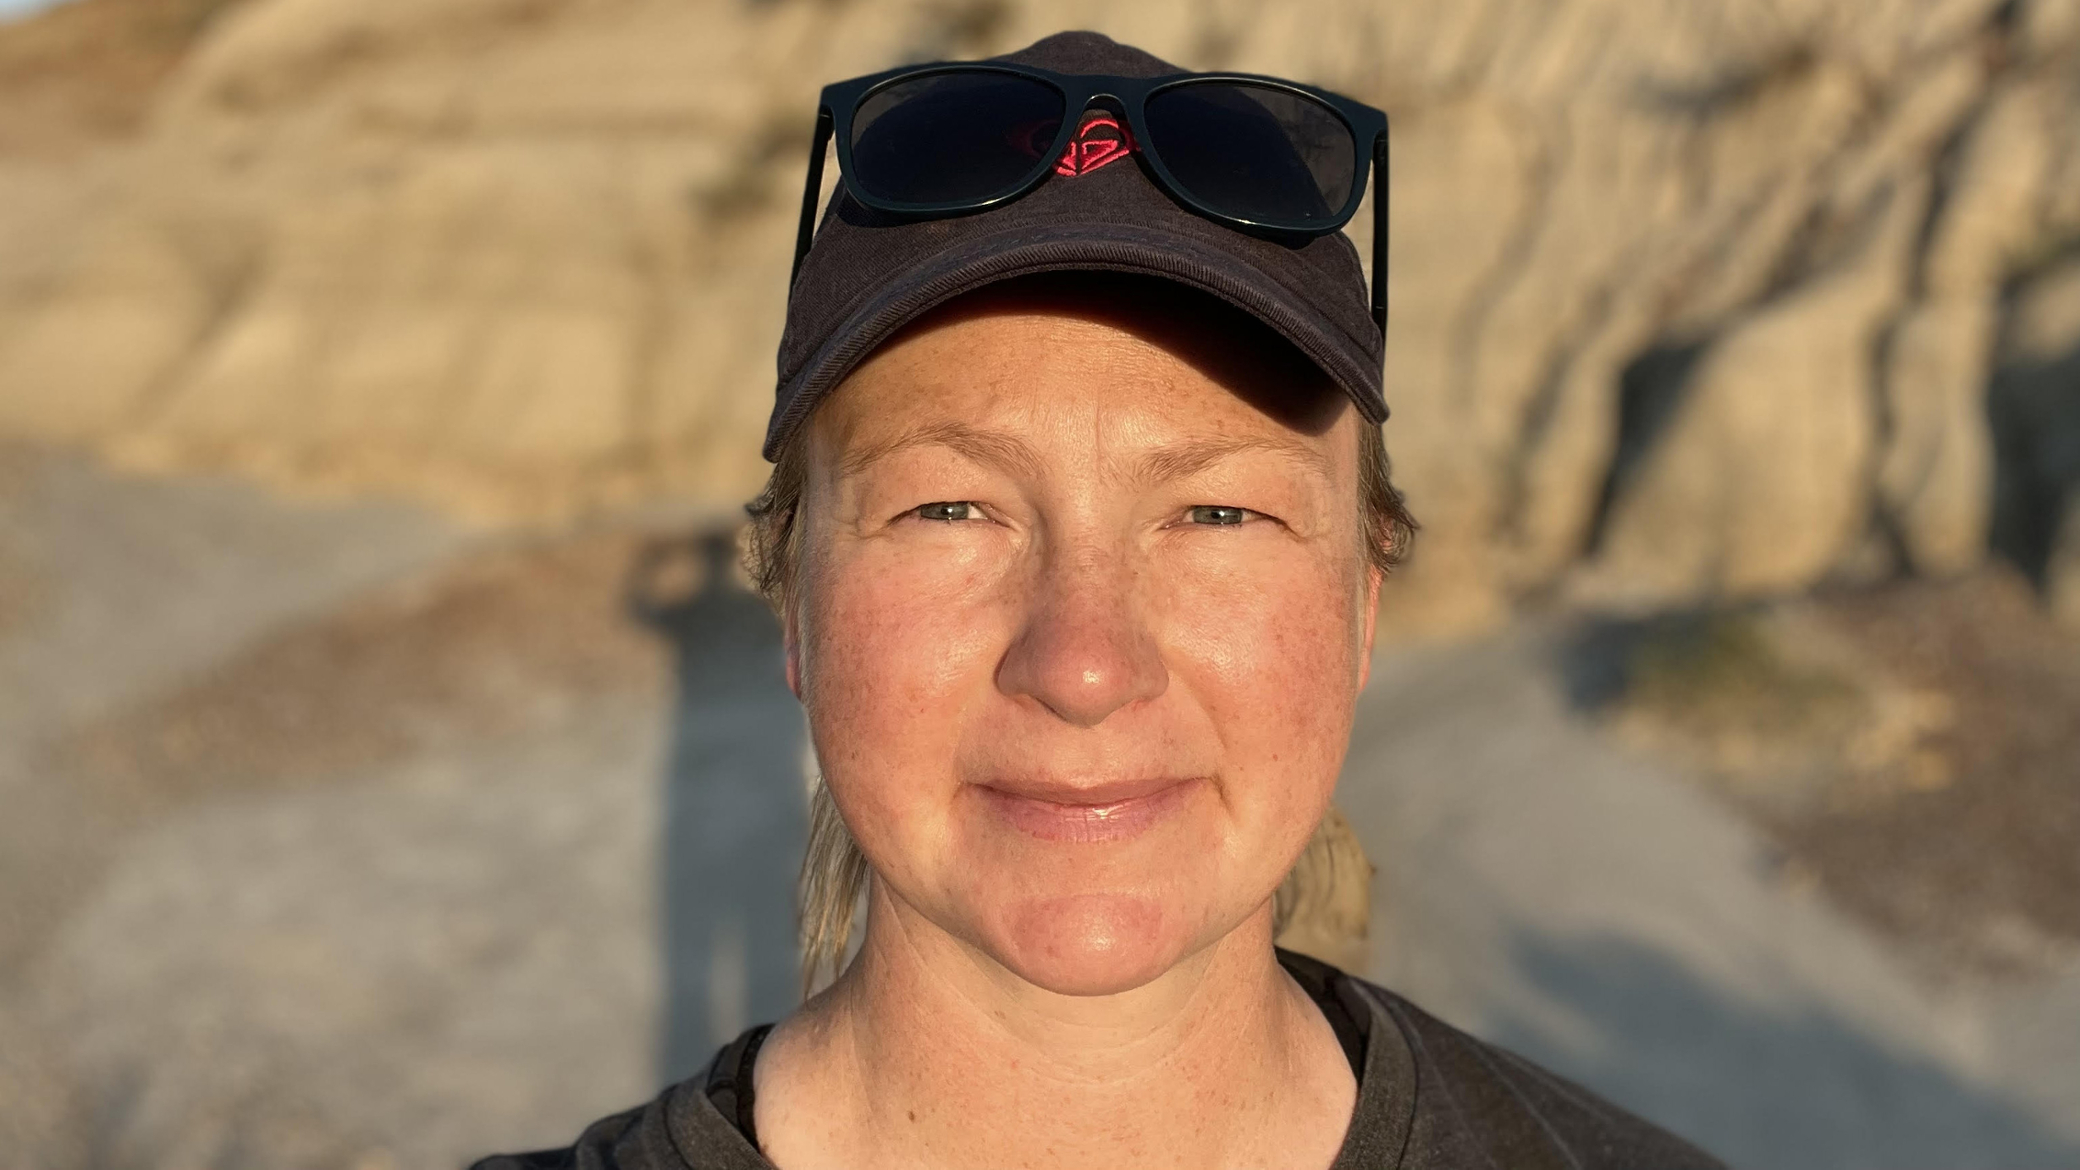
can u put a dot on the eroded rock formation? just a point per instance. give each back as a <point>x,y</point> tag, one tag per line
<point>1690,300</point>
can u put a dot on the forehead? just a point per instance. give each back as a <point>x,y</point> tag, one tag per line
<point>1138,355</point>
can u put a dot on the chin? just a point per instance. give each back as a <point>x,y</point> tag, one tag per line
<point>1091,944</point>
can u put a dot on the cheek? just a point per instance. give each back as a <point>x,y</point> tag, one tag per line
<point>1272,656</point>
<point>890,664</point>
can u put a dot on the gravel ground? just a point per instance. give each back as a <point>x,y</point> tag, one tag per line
<point>340,839</point>
<point>1613,917</point>
<point>1910,746</point>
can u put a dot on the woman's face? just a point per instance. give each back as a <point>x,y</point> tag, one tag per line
<point>1083,610</point>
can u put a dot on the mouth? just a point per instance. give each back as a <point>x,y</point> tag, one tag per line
<point>1103,812</point>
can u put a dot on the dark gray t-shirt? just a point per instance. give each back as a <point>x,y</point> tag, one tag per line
<point>1430,1097</point>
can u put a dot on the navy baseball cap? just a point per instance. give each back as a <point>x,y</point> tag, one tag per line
<point>868,274</point>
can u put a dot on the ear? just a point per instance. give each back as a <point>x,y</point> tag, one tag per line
<point>1374,578</point>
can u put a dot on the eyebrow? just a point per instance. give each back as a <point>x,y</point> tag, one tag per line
<point>996,449</point>
<point>991,448</point>
<point>1189,458</point>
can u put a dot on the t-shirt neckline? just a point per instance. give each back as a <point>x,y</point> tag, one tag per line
<point>1371,1038</point>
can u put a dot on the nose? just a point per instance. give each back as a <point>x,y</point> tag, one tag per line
<point>1083,652</point>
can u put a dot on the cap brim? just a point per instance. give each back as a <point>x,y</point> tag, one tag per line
<point>1082,247</point>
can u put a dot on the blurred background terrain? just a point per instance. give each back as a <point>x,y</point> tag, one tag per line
<point>392,767</point>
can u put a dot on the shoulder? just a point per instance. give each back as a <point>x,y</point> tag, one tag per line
<point>611,1143</point>
<point>680,1130</point>
<point>685,1128</point>
<point>1477,1104</point>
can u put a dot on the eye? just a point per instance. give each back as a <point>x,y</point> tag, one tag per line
<point>1218,514</point>
<point>949,510</point>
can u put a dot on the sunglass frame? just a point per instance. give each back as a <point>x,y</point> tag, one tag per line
<point>841,100</point>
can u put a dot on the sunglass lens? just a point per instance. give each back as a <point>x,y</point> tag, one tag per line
<point>954,137</point>
<point>1267,155</point>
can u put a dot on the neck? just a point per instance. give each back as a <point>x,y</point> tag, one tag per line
<point>926,1053</point>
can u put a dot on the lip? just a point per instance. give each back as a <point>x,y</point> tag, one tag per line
<point>1099,812</point>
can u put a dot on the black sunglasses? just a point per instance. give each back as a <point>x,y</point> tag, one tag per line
<point>1257,154</point>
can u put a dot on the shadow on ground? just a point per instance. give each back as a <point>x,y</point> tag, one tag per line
<point>735,817</point>
<point>1761,1086</point>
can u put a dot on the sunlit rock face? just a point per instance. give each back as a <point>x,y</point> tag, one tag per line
<point>1690,300</point>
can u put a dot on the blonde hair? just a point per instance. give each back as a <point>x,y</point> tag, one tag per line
<point>835,875</point>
